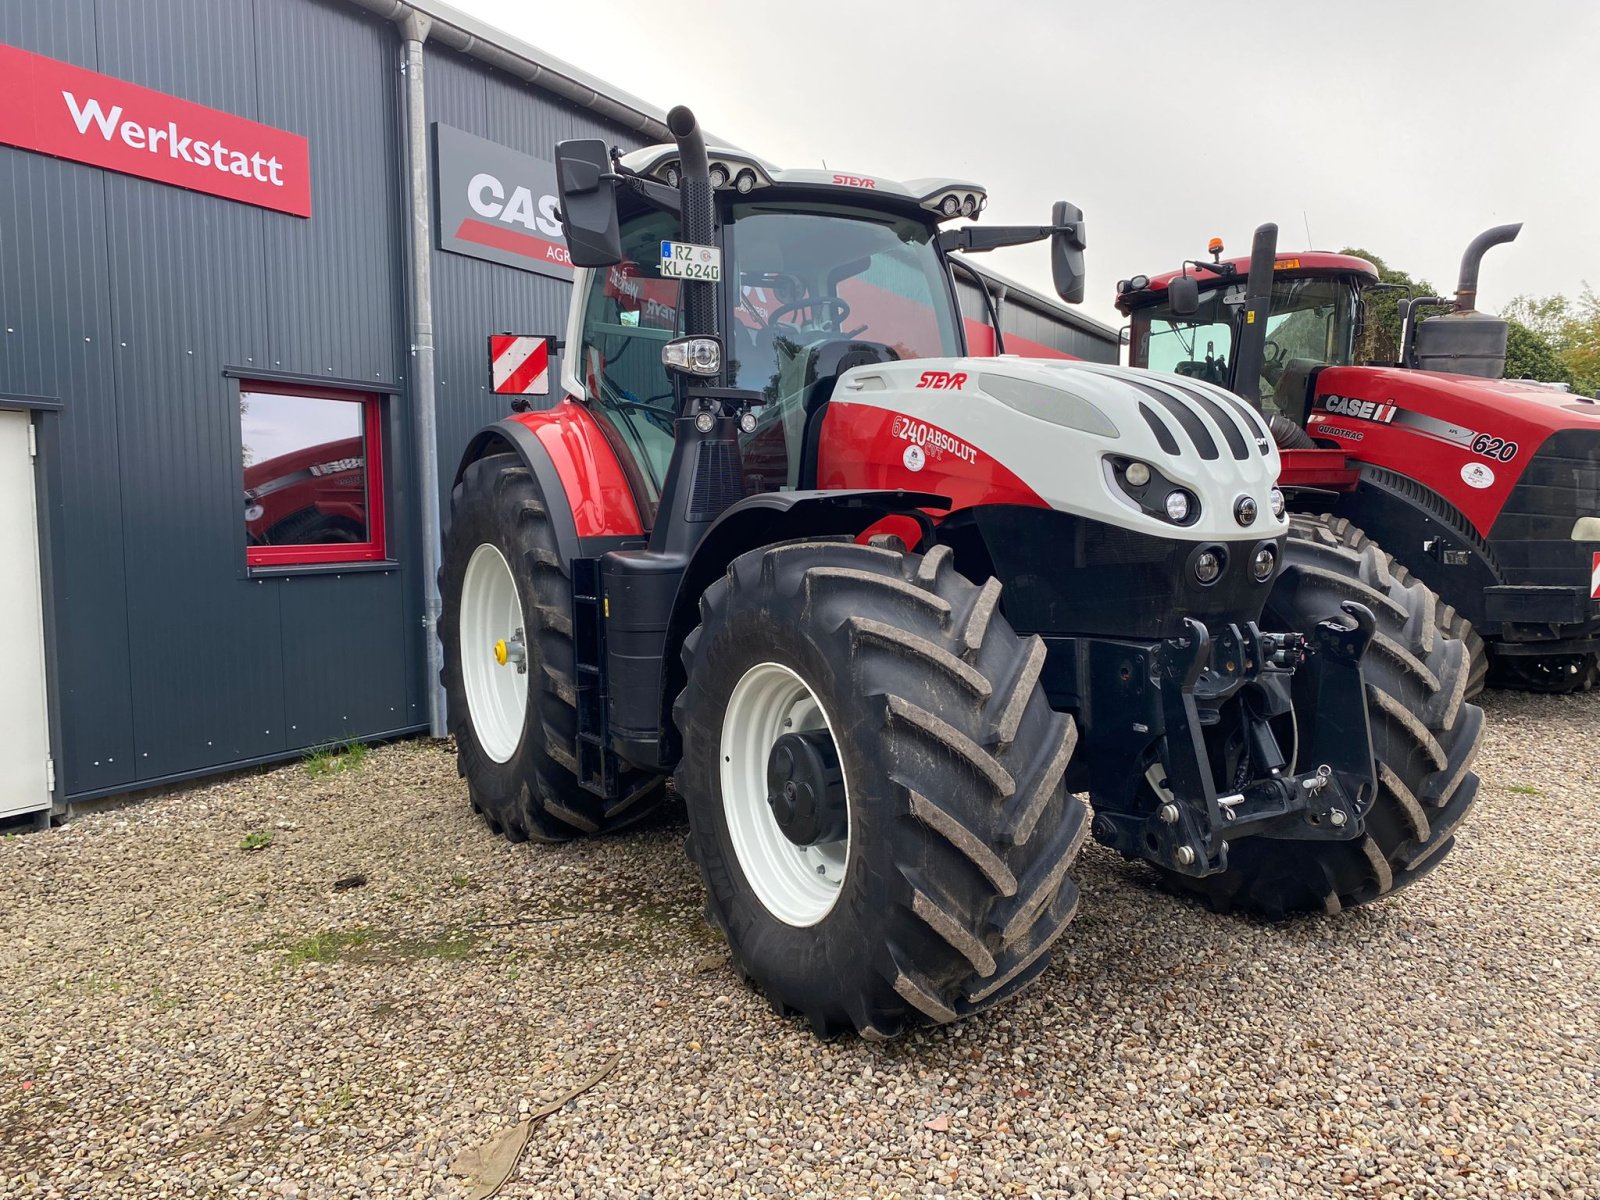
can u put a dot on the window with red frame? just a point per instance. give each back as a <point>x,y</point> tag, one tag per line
<point>313,475</point>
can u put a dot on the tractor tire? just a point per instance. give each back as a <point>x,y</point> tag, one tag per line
<point>948,884</point>
<point>516,730</point>
<point>1450,621</point>
<point>1424,734</point>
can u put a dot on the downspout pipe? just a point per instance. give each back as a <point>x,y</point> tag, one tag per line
<point>414,27</point>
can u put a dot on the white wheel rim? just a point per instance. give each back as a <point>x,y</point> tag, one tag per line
<point>798,884</point>
<point>491,615</point>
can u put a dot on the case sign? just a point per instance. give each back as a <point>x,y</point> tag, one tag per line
<point>497,203</point>
<point>58,109</point>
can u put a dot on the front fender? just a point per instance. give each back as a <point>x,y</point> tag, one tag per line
<point>584,486</point>
<point>763,520</point>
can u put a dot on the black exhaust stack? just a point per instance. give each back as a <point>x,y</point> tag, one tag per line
<point>1466,341</point>
<point>1250,348</point>
<point>1467,283</point>
<point>699,216</point>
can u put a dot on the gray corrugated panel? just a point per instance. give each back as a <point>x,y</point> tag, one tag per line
<point>1077,336</point>
<point>202,50</point>
<point>55,340</point>
<point>61,29</point>
<point>473,298</point>
<point>206,649</point>
<point>335,291</point>
<point>343,673</point>
<point>199,284</point>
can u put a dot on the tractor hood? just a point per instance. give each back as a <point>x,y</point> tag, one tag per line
<point>1532,406</point>
<point>1061,434</point>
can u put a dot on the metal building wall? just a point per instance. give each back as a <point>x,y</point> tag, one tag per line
<point>473,298</point>
<point>1039,321</point>
<point>128,300</point>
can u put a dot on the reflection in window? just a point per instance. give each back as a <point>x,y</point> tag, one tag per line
<point>309,476</point>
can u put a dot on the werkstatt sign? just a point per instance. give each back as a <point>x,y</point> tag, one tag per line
<point>498,204</point>
<point>66,111</point>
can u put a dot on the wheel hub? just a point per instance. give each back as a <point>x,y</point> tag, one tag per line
<point>805,788</point>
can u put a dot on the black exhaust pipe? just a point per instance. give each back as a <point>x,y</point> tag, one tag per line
<point>1250,354</point>
<point>699,216</point>
<point>1467,284</point>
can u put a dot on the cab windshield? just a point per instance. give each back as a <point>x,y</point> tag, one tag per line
<point>1310,323</point>
<point>804,276</point>
<point>795,278</point>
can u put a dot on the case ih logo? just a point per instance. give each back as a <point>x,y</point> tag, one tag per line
<point>58,109</point>
<point>942,379</point>
<point>1362,410</point>
<point>498,204</point>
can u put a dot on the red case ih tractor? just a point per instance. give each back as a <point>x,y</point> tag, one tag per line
<point>882,609</point>
<point>1485,489</point>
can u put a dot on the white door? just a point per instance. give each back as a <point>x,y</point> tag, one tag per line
<point>24,735</point>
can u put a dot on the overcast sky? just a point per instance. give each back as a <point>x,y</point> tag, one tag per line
<point>1405,126</point>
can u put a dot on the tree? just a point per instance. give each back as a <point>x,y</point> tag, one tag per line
<point>1571,328</point>
<point>1529,355</point>
<point>1380,337</point>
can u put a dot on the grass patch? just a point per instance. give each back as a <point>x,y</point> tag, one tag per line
<point>164,1001</point>
<point>326,947</point>
<point>258,839</point>
<point>336,760</point>
<point>380,946</point>
<point>1524,789</point>
<point>463,883</point>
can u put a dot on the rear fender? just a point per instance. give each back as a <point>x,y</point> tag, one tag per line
<point>591,507</point>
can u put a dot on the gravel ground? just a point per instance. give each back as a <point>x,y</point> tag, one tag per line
<point>183,1017</point>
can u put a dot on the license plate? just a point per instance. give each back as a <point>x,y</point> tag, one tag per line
<point>685,260</point>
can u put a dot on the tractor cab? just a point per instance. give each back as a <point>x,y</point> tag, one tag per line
<point>814,272</point>
<point>1313,319</point>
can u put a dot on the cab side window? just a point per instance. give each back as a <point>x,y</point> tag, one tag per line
<point>629,312</point>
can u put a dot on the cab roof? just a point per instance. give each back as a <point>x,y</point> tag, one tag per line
<point>1304,262</point>
<point>944,199</point>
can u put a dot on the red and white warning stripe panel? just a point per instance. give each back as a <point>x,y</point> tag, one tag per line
<point>519,364</point>
<point>1594,578</point>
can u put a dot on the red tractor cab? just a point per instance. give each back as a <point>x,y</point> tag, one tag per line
<point>1485,488</point>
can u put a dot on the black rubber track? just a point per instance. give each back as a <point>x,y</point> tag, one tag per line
<point>1425,736</point>
<point>961,827</point>
<point>534,794</point>
<point>1450,621</point>
<point>1555,675</point>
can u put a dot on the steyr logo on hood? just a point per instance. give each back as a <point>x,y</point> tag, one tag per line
<point>942,379</point>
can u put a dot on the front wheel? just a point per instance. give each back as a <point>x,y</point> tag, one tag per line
<point>508,674</point>
<point>874,780</point>
<point>1424,735</point>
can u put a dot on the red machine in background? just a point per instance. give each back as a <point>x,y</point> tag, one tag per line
<point>1486,489</point>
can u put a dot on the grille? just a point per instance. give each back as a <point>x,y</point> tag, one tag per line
<point>717,481</point>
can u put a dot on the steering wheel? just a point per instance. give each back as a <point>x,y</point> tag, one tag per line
<point>1273,363</point>
<point>838,310</point>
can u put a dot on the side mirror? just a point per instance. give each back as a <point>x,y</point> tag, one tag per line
<point>1183,296</point>
<point>1066,251</point>
<point>588,202</point>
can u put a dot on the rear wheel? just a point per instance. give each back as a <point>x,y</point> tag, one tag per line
<point>1424,734</point>
<point>1451,622</point>
<point>506,630</point>
<point>874,781</point>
